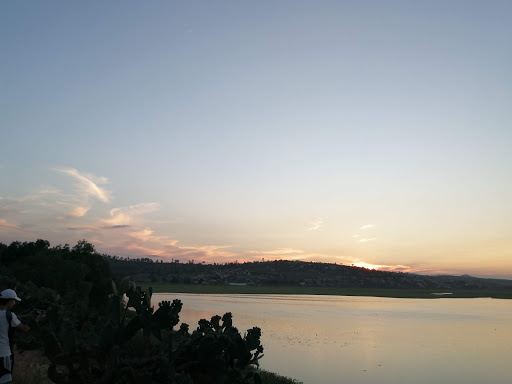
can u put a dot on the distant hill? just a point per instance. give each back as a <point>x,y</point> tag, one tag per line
<point>291,273</point>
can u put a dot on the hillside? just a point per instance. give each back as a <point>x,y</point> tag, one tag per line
<point>291,273</point>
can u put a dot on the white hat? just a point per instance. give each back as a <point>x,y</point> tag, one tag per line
<point>9,294</point>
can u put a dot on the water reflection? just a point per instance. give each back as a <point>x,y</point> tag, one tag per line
<point>341,339</point>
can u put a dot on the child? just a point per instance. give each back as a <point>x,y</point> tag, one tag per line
<point>8,299</point>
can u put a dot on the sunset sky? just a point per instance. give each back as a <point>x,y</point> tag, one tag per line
<point>375,133</point>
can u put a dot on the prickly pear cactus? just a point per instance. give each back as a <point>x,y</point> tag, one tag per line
<point>134,343</point>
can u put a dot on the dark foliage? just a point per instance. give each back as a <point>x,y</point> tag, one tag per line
<point>291,273</point>
<point>98,330</point>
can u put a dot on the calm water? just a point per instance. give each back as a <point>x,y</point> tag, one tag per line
<point>342,339</point>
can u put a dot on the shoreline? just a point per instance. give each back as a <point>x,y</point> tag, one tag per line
<point>334,291</point>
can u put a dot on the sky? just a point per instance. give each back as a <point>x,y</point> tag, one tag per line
<point>372,133</point>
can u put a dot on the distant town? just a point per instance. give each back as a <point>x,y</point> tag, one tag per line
<point>290,273</point>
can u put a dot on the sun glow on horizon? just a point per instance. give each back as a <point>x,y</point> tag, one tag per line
<point>362,264</point>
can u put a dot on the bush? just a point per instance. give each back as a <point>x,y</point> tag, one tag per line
<point>101,331</point>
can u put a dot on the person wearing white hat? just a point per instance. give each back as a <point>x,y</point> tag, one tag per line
<point>8,321</point>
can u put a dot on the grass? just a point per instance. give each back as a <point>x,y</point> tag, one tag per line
<point>31,374</point>
<point>294,290</point>
<point>36,374</point>
<point>30,367</point>
<point>273,378</point>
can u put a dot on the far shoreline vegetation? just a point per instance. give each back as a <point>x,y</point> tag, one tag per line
<point>288,277</point>
<point>294,290</point>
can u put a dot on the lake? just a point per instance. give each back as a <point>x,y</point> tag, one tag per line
<point>355,339</point>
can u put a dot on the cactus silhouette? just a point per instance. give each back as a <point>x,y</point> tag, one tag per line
<point>142,345</point>
<point>107,332</point>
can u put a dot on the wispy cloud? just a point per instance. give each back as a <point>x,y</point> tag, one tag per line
<point>208,252</point>
<point>89,184</point>
<point>127,215</point>
<point>96,227</point>
<point>364,232</point>
<point>316,224</point>
<point>144,242</point>
<point>79,211</point>
<point>85,209</point>
<point>146,235</point>
<point>121,230</point>
<point>281,252</point>
<point>76,202</point>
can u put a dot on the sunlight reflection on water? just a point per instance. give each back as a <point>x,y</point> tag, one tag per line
<point>354,339</point>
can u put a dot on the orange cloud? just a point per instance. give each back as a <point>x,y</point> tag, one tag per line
<point>278,252</point>
<point>5,224</point>
<point>127,215</point>
<point>79,211</point>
